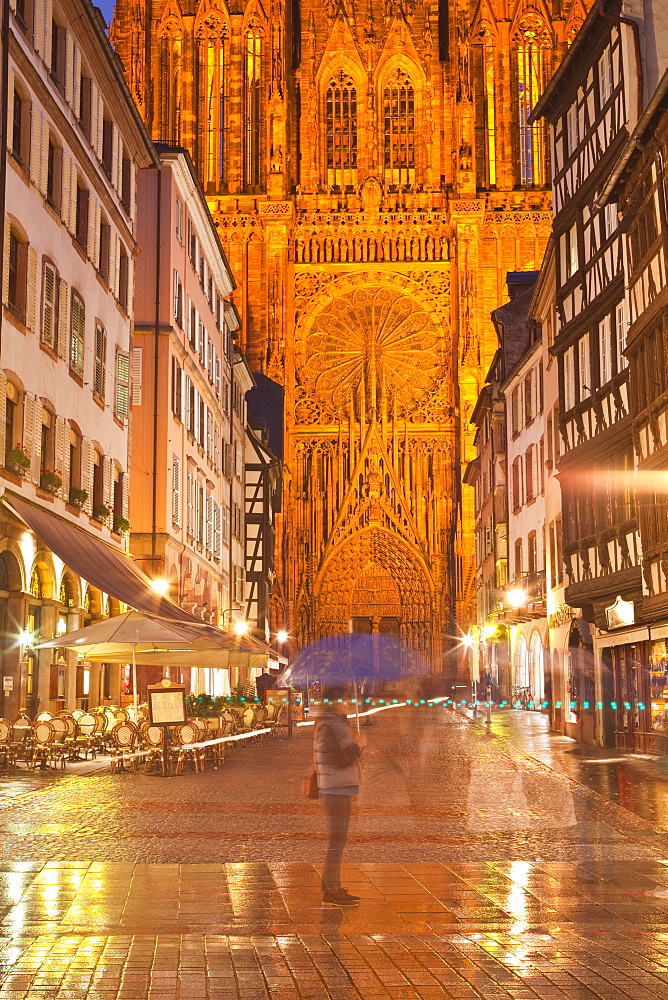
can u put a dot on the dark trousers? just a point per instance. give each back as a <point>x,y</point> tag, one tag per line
<point>337,810</point>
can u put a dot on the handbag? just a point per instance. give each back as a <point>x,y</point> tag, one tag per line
<point>310,788</point>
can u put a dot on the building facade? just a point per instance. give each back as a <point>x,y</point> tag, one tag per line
<point>373,175</point>
<point>638,187</point>
<point>593,103</point>
<point>188,402</point>
<point>75,143</point>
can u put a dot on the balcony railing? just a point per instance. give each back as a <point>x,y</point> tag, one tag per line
<point>520,600</point>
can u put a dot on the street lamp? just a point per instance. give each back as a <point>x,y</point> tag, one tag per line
<point>160,586</point>
<point>241,627</point>
<point>517,598</point>
<point>282,636</point>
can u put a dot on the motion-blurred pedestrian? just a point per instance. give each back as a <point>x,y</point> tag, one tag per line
<point>336,752</point>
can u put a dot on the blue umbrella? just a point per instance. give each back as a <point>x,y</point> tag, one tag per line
<point>351,658</point>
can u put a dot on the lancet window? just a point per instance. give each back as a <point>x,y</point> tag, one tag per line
<point>341,131</point>
<point>484,74</point>
<point>170,85</point>
<point>211,98</point>
<point>252,109</point>
<point>399,129</point>
<point>531,70</point>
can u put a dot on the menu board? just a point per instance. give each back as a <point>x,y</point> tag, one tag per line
<point>166,705</point>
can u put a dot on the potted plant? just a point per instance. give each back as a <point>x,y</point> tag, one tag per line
<point>101,512</point>
<point>18,461</point>
<point>50,481</point>
<point>121,524</point>
<point>78,497</point>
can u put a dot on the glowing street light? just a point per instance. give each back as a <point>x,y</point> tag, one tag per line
<point>241,628</point>
<point>282,635</point>
<point>517,598</point>
<point>160,586</point>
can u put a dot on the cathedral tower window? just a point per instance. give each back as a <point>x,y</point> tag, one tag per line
<point>531,71</point>
<point>170,87</point>
<point>484,75</point>
<point>211,100</point>
<point>399,130</point>
<point>252,110</point>
<point>341,131</point>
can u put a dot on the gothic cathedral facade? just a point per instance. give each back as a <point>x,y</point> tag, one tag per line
<point>373,176</point>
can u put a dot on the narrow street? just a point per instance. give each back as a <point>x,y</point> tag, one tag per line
<point>483,872</point>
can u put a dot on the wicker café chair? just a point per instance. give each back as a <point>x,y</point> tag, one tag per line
<point>45,750</point>
<point>152,737</point>
<point>185,736</point>
<point>125,740</point>
<point>86,734</point>
<point>7,746</point>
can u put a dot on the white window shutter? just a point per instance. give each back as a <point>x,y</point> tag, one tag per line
<point>107,469</point>
<point>209,522</point>
<point>63,433</point>
<point>115,158</point>
<point>31,309</point>
<point>59,449</point>
<point>5,272</point>
<point>176,490</point>
<point>36,441</point>
<point>136,365</point>
<point>126,494</point>
<point>69,67</point>
<point>115,262</point>
<point>72,224</point>
<point>49,334</point>
<point>96,119</point>
<point>63,329</point>
<point>44,163</point>
<point>38,25</point>
<point>48,17</point>
<point>87,458</point>
<point>10,107</point>
<point>189,504</point>
<point>94,232</point>
<point>122,399</point>
<point>76,74</point>
<point>3,413</point>
<point>36,145</point>
<point>131,284</point>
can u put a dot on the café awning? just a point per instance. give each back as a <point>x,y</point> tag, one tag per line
<point>104,566</point>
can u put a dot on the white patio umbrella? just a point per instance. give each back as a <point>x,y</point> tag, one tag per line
<point>136,632</point>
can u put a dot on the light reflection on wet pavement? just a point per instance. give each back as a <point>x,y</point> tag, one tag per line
<point>483,874</point>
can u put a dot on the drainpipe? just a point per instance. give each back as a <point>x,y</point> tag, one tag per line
<point>156,371</point>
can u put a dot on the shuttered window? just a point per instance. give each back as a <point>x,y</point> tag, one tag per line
<point>122,400</point>
<point>77,335</point>
<point>49,309</point>
<point>100,370</point>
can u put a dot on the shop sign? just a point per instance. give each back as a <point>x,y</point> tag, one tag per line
<point>620,614</point>
<point>564,615</point>
<point>7,684</point>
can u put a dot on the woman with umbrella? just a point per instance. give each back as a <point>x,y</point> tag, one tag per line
<point>336,752</point>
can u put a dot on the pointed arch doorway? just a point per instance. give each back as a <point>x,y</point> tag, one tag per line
<point>376,602</point>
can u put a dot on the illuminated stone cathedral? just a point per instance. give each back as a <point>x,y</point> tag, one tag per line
<point>373,176</point>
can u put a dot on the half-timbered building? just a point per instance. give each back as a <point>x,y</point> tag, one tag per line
<point>587,104</point>
<point>638,185</point>
<point>592,104</point>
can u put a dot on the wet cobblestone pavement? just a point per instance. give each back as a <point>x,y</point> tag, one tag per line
<point>483,873</point>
